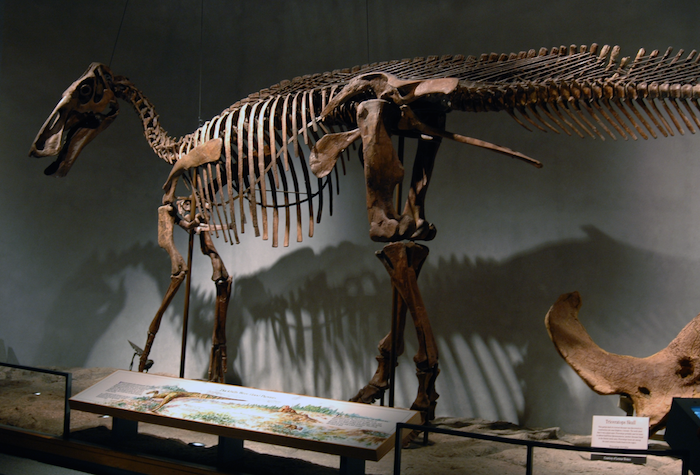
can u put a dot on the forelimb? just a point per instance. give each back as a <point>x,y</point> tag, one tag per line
<point>166,221</point>
<point>167,218</point>
<point>222,280</point>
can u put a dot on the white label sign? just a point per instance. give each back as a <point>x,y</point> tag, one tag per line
<point>620,432</point>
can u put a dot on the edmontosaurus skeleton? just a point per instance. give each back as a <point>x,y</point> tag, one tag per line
<point>246,153</point>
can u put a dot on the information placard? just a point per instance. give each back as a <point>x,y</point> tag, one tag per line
<point>620,432</point>
<point>343,428</point>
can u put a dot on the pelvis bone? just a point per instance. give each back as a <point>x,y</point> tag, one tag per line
<point>650,382</point>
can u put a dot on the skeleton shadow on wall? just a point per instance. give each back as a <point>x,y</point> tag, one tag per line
<point>310,323</point>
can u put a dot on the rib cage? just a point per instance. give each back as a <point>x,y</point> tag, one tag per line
<point>576,90</point>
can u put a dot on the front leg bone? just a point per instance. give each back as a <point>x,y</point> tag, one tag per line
<point>222,280</point>
<point>166,220</point>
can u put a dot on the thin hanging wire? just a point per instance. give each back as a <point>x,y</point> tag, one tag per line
<point>367,27</point>
<point>116,40</point>
<point>193,208</point>
<point>201,58</point>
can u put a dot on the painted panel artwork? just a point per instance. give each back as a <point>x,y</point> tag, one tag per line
<point>305,422</point>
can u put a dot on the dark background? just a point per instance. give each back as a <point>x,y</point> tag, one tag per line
<point>82,272</point>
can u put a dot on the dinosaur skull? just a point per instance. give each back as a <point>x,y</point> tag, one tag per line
<point>86,108</point>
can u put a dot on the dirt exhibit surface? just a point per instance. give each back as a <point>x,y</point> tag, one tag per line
<point>34,401</point>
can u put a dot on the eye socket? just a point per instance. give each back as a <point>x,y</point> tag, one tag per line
<point>85,91</point>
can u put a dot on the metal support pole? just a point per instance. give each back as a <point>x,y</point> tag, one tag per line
<point>123,429</point>
<point>395,299</point>
<point>351,466</point>
<point>398,445</point>
<point>188,283</point>
<point>228,452</point>
<point>66,406</point>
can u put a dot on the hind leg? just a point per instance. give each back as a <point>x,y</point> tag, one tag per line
<point>383,171</point>
<point>380,381</point>
<point>403,262</point>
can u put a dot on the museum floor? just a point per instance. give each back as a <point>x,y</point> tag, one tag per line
<point>22,407</point>
<point>12,465</point>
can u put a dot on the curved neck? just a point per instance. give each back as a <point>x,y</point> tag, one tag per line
<point>165,146</point>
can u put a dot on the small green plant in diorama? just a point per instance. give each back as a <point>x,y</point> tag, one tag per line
<point>214,418</point>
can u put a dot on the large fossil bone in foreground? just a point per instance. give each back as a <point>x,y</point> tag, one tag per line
<point>650,382</point>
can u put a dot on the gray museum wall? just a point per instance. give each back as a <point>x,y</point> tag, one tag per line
<point>82,274</point>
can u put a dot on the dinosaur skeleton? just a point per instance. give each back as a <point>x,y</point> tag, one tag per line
<point>240,165</point>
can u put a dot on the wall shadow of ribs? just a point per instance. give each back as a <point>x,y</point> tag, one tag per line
<point>311,323</point>
<point>318,334</point>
